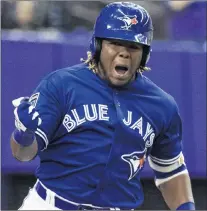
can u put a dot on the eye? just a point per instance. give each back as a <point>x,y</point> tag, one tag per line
<point>115,43</point>
<point>135,47</point>
<point>135,157</point>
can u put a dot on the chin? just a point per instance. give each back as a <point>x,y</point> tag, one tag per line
<point>119,83</point>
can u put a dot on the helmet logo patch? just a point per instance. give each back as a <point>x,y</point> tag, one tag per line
<point>128,20</point>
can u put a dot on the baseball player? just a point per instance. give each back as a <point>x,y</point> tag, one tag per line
<point>95,124</point>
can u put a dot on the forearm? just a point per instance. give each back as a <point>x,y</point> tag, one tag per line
<point>177,191</point>
<point>23,153</point>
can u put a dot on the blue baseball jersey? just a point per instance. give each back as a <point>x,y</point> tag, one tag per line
<point>94,139</point>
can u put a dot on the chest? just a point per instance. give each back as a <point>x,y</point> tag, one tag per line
<point>123,117</point>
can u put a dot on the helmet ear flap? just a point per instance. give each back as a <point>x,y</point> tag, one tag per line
<point>145,56</point>
<point>96,44</point>
<point>93,45</point>
<point>148,57</point>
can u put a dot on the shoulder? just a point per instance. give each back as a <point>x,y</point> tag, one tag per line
<point>62,81</point>
<point>65,74</point>
<point>165,103</point>
<point>156,91</point>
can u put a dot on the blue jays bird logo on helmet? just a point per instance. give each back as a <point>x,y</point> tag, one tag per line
<point>128,20</point>
<point>124,21</point>
<point>136,162</point>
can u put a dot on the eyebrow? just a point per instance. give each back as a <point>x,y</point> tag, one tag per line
<point>125,42</point>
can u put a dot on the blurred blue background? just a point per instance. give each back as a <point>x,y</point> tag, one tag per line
<point>39,37</point>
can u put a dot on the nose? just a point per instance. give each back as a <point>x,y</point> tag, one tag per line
<point>124,53</point>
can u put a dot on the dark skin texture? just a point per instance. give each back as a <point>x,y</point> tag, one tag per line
<point>23,153</point>
<point>118,52</point>
<point>177,191</point>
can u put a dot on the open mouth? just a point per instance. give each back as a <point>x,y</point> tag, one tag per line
<point>120,69</point>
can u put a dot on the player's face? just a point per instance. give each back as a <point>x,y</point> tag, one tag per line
<point>119,61</point>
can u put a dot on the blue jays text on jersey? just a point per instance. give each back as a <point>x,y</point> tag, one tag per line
<point>94,139</point>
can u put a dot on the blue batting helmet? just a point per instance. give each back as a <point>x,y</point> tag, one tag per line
<point>125,21</point>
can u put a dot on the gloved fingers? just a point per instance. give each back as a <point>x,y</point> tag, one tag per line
<point>18,101</point>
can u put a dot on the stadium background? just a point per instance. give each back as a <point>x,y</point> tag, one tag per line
<point>38,38</point>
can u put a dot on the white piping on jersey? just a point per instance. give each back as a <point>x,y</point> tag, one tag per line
<point>166,162</point>
<point>158,182</point>
<point>165,169</point>
<point>43,136</point>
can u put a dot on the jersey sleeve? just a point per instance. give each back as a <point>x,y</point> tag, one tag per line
<point>47,101</point>
<point>166,157</point>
